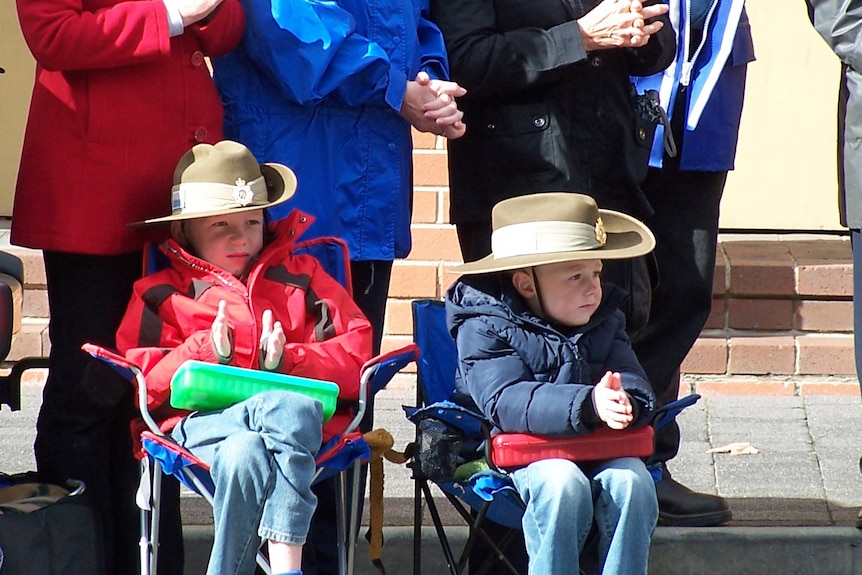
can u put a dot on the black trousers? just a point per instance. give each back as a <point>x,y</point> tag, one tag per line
<point>685,224</point>
<point>83,430</point>
<point>370,291</point>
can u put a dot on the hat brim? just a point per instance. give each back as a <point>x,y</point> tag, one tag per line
<point>627,237</point>
<point>280,184</point>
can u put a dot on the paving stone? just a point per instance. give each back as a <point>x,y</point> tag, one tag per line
<point>801,492</point>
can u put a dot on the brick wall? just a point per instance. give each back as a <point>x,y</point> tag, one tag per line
<point>781,321</point>
<point>782,312</point>
<point>782,318</point>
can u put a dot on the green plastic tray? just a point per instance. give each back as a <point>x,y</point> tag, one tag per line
<point>200,386</point>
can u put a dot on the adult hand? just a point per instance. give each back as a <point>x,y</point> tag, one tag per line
<point>429,106</point>
<point>221,335</point>
<point>612,404</point>
<point>443,109</point>
<point>620,23</point>
<point>195,10</point>
<point>272,340</point>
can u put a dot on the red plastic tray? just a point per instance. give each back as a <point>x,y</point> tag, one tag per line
<point>520,449</point>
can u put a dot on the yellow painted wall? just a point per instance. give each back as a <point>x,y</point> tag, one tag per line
<point>785,176</point>
<point>15,87</point>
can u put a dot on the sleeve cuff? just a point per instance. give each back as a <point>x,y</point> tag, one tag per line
<point>637,407</point>
<point>396,89</point>
<point>175,19</point>
<point>589,417</point>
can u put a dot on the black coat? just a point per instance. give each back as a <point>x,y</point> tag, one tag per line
<point>525,375</point>
<point>541,113</point>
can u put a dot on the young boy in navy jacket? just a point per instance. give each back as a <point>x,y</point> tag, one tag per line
<point>542,349</point>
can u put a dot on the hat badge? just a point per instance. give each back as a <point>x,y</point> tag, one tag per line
<point>242,192</point>
<point>601,234</point>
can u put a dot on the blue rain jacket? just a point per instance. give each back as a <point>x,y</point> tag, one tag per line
<point>525,375</point>
<point>714,75</point>
<point>317,86</point>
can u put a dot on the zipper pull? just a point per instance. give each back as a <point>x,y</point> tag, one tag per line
<point>685,76</point>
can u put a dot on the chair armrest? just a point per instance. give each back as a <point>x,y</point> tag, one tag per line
<point>384,366</point>
<point>509,450</point>
<point>11,306</point>
<point>376,373</point>
<point>132,373</point>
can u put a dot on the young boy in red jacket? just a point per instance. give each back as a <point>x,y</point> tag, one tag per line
<point>236,294</point>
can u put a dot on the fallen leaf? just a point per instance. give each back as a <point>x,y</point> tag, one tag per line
<point>741,448</point>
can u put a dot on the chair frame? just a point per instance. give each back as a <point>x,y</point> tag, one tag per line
<point>152,470</point>
<point>149,492</point>
<point>422,492</point>
<point>10,384</point>
<point>421,312</point>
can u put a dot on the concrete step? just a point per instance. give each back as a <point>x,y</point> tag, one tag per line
<point>753,543</point>
<point>674,551</point>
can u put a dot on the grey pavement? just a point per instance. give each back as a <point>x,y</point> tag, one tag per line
<point>794,502</point>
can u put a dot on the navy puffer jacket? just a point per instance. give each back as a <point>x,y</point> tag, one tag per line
<point>527,376</point>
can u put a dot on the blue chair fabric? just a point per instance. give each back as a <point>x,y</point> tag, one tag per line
<point>483,496</point>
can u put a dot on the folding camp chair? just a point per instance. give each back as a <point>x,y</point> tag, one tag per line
<point>11,304</point>
<point>340,457</point>
<point>475,492</point>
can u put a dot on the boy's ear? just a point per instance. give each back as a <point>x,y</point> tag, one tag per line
<point>179,233</point>
<point>523,283</point>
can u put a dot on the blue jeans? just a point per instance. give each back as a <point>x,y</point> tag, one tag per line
<point>262,456</point>
<point>562,501</point>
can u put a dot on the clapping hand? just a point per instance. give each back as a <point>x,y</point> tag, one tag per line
<point>272,340</point>
<point>221,334</point>
<point>612,404</point>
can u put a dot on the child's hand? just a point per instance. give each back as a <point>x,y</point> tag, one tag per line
<point>221,334</point>
<point>612,404</point>
<point>272,340</point>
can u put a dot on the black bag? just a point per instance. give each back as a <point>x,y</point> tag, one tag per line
<point>47,529</point>
<point>438,449</point>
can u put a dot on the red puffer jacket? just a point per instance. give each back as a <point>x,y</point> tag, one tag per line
<point>169,319</point>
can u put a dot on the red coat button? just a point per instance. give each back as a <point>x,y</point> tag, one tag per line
<point>200,134</point>
<point>197,58</point>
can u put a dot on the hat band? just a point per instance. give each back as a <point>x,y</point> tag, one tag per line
<point>531,238</point>
<point>203,197</point>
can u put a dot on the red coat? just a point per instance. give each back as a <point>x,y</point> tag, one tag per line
<point>115,104</point>
<point>169,319</point>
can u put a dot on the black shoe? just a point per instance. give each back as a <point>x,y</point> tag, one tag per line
<point>679,506</point>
